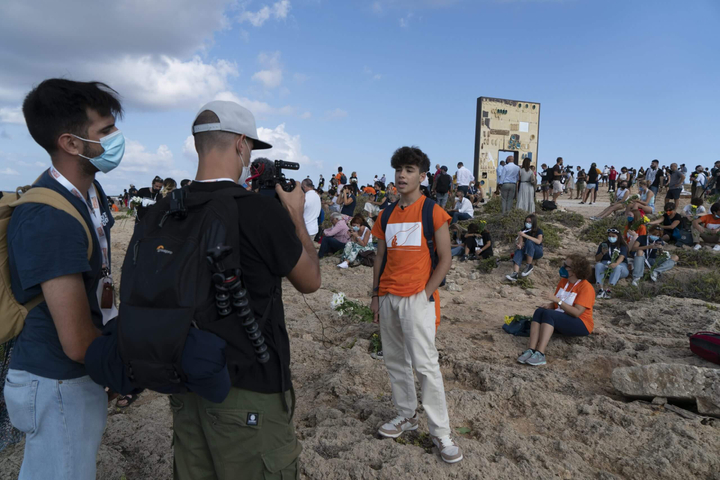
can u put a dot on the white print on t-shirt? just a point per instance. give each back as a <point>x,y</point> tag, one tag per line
<point>713,226</point>
<point>567,296</point>
<point>406,236</point>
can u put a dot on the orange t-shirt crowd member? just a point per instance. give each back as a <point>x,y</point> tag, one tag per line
<point>369,190</point>
<point>338,176</point>
<point>408,268</point>
<point>710,222</point>
<point>641,231</point>
<point>582,294</point>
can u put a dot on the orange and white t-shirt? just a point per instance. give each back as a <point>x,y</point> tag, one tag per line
<point>581,293</point>
<point>710,222</point>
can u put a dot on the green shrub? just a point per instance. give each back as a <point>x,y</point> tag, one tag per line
<point>596,232</point>
<point>523,282</point>
<point>375,343</point>
<point>699,285</point>
<point>493,205</point>
<point>504,228</point>
<point>487,265</point>
<point>698,258</point>
<point>566,219</point>
<point>356,311</point>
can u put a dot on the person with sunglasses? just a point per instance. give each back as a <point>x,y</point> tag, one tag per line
<point>569,313</point>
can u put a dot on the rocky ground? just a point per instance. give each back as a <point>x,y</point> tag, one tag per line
<point>563,420</point>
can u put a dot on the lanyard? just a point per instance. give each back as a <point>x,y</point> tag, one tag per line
<point>93,205</point>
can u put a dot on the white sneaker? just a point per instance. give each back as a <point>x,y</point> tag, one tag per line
<point>698,247</point>
<point>635,282</point>
<point>398,425</point>
<point>343,265</point>
<point>449,451</point>
<point>654,276</point>
<point>716,248</point>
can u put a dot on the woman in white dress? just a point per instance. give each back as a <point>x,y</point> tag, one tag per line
<point>526,188</point>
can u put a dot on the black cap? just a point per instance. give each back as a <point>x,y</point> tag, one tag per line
<point>445,169</point>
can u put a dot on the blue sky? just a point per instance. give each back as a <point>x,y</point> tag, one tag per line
<point>346,82</point>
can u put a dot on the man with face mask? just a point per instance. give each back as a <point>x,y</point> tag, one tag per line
<point>48,393</point>
<point>150,196</point>
<point>251,431</point>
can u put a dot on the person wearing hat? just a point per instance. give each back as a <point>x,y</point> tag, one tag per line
<point>441,186</point>
<point>251,431</point>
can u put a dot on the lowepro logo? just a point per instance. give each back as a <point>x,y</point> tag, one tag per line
<point>161,249</point>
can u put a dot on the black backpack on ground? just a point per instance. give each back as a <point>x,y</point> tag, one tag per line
<point>167,283</point>
<point>548,205</point>
<point>443,183</point>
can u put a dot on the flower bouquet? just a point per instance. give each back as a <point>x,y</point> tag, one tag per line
<point>661,258</point>
<point>631,199</point>
<point>613,258</point>
<point>135,202</point>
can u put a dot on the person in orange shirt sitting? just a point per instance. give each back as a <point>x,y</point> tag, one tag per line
<point>570,310</point>
<point>707,228</point>
<point>406,301</point>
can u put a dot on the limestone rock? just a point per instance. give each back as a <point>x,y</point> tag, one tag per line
<point>474,276</point>
<point>672,381</point>
<point>454,287</point>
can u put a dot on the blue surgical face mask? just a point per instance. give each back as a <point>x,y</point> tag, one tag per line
<point>528,225</point>
<point>630,219</point>
<point>356,228</point>
<point>612,239</point>
<point>653,238</point>
<point>563,272</point>
<point>114,146</point>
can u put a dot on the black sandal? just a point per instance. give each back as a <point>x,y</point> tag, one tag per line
<point>130,399</point>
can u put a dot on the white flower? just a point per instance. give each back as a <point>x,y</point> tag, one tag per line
<point>337,300</point>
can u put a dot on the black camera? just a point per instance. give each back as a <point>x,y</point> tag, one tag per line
<point>267,186</point>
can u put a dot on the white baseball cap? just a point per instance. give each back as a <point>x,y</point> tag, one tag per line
<point>234,119</point>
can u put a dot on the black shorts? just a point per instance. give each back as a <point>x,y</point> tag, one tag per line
<point>673,193</point>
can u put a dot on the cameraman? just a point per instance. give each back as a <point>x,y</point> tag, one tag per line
<point>252,429</point>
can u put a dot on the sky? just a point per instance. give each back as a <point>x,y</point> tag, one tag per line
<point>346,82</point>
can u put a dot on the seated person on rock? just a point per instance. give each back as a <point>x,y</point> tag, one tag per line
<point>374,207</point>
<point>529,246</point>
<point>463,208</point>
<point>476,244</point>
<point>623,194</point>
<point>360,241</point>
<point>614,247</point>
<point>646,202</point>
<point>671,223</point>
<point>706,229</point>
<point>569,313</point>
<point>335,237</point>
<point>695,209</point>
<point>649,250</point>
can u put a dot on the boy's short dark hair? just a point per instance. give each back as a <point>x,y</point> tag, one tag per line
<point>715,207</point>
<point>59,106</point>
<point>184,182</point>
<point>410,156</point>
<point>473,228</point>
<point>670,206</point>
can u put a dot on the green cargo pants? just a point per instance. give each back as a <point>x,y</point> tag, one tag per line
<point>248,436</point>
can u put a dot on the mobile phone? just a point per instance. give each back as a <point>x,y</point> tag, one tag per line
<point>605,246</point>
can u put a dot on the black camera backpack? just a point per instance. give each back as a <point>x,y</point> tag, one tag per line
<point>167,283</point>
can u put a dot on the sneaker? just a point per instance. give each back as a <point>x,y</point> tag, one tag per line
<point>636,282</point>
<point>716,248</point>
<point>528,270</point>
<point>463,258</point>
<point>398,425</point>
<point>582,203</point>
<point>343,265</point>
<point>377,356</point>
<point>536,359</point>
<point>512,277</point>
<point>525,355</point>
<point>600,294</point>
<point>590,203</point>
<point>697,247</point>
<point>449,451</point>
<point>607,294</point>
<point>654,276</point>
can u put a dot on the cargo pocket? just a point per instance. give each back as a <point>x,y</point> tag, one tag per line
<point>281,463</point>
<point>20,399</point>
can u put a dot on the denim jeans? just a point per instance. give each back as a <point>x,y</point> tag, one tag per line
<point>531,248</point>
<point>330,245</point>
<point>621,271</point>
<point>639,266</point>
<point>457,251</point>
<point>63,422</point>
<point>457,216</point>
<point>654,190</point>
<point>442,199</point>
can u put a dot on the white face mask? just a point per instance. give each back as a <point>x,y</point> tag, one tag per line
<point>246,170</point>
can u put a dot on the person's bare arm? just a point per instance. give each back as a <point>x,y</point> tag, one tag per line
<point>363,241</point>
<point>698,226</point>
<point>442,244</point>
<point>70,310</point>
<point>305,276</point>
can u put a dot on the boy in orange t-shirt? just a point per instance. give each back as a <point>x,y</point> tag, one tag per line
<point>707,228</point>
<point>406,303</point>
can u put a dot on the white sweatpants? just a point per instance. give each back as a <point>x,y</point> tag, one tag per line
<point>407,326</point>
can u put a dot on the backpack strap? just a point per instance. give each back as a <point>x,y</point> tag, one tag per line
<point>52,198</point>
<point>384,219</point>
<point>429,232</point>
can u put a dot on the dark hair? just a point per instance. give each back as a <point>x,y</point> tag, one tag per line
<point>669,206</point>
<point>697,201</point>
<point>59,106</point>
<point>715,207</point>
<point>558,160</point>
<point>184,181</point>
<point>410,156</point>
<point>534,228</point>
<point>581,266</point>
<point>655,161</point>
<point>339,169</point>
<point>473,228</point>
<point>359,218</point>
<point>206,141</point>
<point>526,164</point>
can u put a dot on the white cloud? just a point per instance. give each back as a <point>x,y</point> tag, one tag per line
<point>405,21</point>
<point>258,108</point>
<point>336,114</point>
<point>375,76</point>
<point>278,11</point>
<point>306,115</point>
<point>300,77</point>
<point>9,171</point>
<point>12,115</point>
<point>189,148</point>
<point>285,146</point>
<point>271,76</point>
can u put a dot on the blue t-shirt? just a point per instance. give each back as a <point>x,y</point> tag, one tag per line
<point>608,256</point>
<point>46,243</point>
<point>349,210</point>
